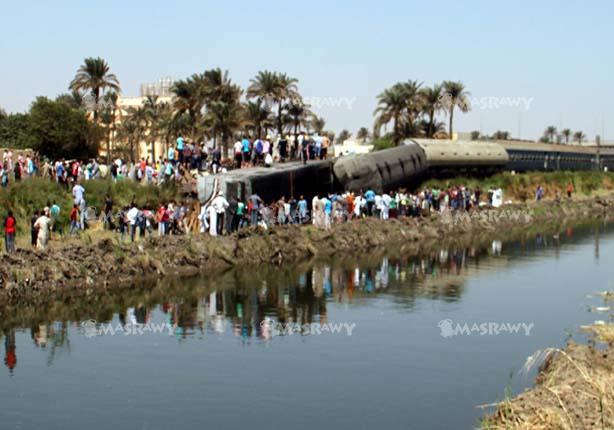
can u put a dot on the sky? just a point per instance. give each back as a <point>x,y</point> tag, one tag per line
<point>527,64</point>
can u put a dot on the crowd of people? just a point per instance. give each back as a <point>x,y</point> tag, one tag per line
<point>181,158</point>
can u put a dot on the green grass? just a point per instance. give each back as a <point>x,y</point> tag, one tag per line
<point>26,196</point>
<point>522,186</point>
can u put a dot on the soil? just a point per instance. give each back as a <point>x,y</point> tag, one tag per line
<point>574,390</point>
<point>35,277</point>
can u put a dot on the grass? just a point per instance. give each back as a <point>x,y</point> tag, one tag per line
<point>521,186</point>
<point>24,197</point>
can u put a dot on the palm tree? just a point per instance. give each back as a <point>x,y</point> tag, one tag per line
<point>224,118</point>
<point>298,114</point>
<point>318,123</point>
<point>257,116</point>
<point>431,105</point>
<point>109,118</point>
<point>274,88</point>
<point>391,105</point>
<point>566,133</point>
<point>400,105</point>
<point>579,136</point>
<point>455,95</point>
<point>189,97</point>
<point>94,76</point>
<point>152,117</point>
<point>550,133</point>
<point>344,135</point>
<point>363,134</point>
<point>132,130</point>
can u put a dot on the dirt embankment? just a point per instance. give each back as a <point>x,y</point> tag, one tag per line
<point>35,277</point>
<point>574,390</point>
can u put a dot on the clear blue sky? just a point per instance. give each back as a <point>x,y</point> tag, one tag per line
<point>554,57</point>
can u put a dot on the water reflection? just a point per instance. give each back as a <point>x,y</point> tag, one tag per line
<point>244,304</point>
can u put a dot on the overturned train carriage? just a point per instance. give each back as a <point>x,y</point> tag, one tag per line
<point>454,157</point>
<point>290,179</point>
<point>381,170</point>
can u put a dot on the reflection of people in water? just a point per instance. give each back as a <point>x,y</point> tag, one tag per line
<point>10,355</point>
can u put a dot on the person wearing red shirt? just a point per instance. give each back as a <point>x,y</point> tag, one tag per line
<point>10,228</point>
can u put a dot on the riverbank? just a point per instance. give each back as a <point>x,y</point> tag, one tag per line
<point>89,268</point>
<point>574,388</point>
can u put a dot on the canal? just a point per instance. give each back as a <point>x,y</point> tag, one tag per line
<point>357,343</point>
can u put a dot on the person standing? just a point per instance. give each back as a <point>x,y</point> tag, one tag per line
<point>74,220</point>
<point>569,190</point>
<point>43,224</point>
<point>33,229</point>
<point>255,201</point>
<point>10,228</point>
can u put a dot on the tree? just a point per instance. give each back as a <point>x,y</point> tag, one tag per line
<point>132,130</point>
<point>59,131</point>
<point>94,77</point>
<point>343,136</point>
<point>431,105</point>
<point>73,99</point>
<point>298,114</point>
<point>363,134</point>
<point>475,135</point>
<point>318,123</point>
<point>189,98</point>
<point>455,95</point>
<point>15,131</point>
<point>151,114</point>
<point>275,89</point>
<point>257,116</point>
<point>400,105</point>
<point>108,118</point>
<point>566,133</point>
<point>579,136</point>
<point>501,135</point>
<point>550,133</point>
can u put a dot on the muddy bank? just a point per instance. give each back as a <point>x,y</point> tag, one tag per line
<point>34,278</point>
<point>574,390</point>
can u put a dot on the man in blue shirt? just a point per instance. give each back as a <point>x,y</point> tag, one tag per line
<point>180,145</point>
<point>302,210</point>
<point>370,198</point>
<point>171,155</point>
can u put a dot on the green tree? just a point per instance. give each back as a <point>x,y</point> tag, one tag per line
<point>59,131</point>
<point>94,77</point>
<point>257,116</point>
<point>132,131</point>
<point>579,137</point>
<point>401,105</point>
<point>343,136</point>
<point>550,133</point>
<point>275,89</point>
<point>108,117</point>
<point>431,105</point>
<point>566,133</point>
<point>475,135</point>
<point>363,134</point>
<point>15,131</point>
<point>455,96</point>
<point>318,123</point>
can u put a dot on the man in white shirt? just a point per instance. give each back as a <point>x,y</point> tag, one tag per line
<point>132,216</point>
<point>77,193</point>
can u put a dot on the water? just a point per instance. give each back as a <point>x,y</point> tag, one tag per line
<point>223,367</point>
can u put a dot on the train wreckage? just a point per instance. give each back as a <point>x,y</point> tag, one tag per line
<point>402,166</point>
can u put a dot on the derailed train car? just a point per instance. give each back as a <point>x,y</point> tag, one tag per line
<point>381,170</point>
<point>447,157</point>
<point>270,183</point>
